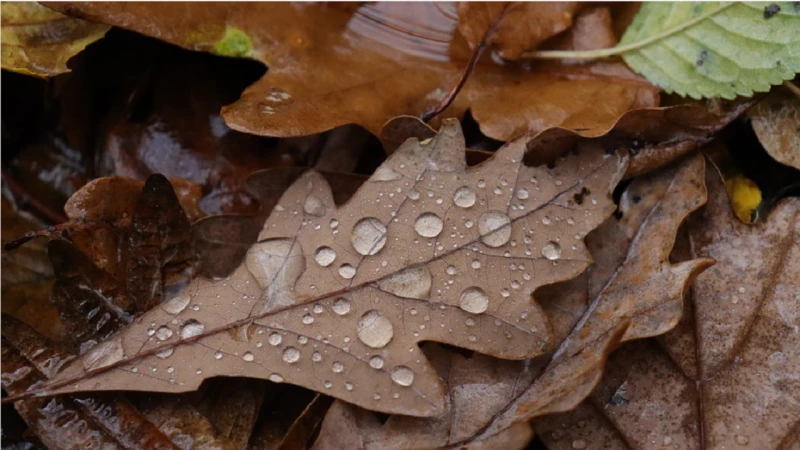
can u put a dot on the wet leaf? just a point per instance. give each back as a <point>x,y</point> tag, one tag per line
<point>327,61</point>
<point>726,377</point>
<point>39,41</point>
<point>488,396</point>
<point>776,121</point>
<point>336,299</point>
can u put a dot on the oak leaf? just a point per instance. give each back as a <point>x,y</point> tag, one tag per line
<point>726,377</point>
<point>337,299</point>
<point>776,121</point>
<point>327,62</point>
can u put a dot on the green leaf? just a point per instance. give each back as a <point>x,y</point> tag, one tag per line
<point>708,49</point>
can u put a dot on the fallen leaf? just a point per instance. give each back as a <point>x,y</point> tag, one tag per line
<point>776,121</point>
<point>726,377</point>
<point>363,316</point>
<point>39,41</point>
<point>327,61</point>
<point>488,396</point>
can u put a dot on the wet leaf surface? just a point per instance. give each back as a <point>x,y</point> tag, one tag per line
<point>414,53</point>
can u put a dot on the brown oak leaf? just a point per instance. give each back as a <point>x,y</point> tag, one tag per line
<point>776,121</point>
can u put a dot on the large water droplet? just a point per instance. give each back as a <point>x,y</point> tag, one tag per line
<point>324,256</point>
<point>103,354</point>
<point>374,329</point>
<point>551,250</point>
<point>191,328</point>
<point>248,356</point>
<point>275,339</point>
<point>495,228</point>
<point>166,353</point>
<point>291,355</point>
<point>411,283</point>
<point>376,362</point>
<point>177,304</point>
<point>464,197</point>
<point>341,306</point>
<point>522,194</point>
<point>384,173</point>
<point>428,225</point>
<point>337,367</point>
<point>474,300</point>
<point>347,271</point>
<point>369,236</point>
<point>163,333</point>
<point>402,375</point>
<point>313,206</point>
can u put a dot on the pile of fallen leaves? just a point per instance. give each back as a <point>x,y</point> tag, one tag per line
<point>484,226</point>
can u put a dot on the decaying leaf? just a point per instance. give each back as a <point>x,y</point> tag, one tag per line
<point>776,121</point>
<point>39,41</point>
<point>726,377</point>
<point>327,61</point>
<point>337,299</point>
<point>489,396</point>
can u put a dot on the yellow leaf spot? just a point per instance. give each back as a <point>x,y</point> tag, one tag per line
<point>745,197</point>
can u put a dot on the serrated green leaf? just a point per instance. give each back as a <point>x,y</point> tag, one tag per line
<point>715,49</point>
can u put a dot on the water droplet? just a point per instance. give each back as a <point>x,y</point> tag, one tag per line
<point>522,194</point>
<point>163,333</point>
<point>402,375</point>
<point>276,378</point>
<point>348,386</point>
<point>384,173</point>
<point>347,271</point>
<point>324,256</point>
<point>551,250</point>
<point>413,194</point>
<point>218,355</point>
<point>546,220</point>
<point>369,236</point>
<point>151,331</point>
<point>428,225</point>
<point>177,304</point>
<point>742,440</point>
<point>476,264</point>
<point>376,362</point>
<point>578,444</point>
<point>308,319</point>
<point>334,223</point>
<point>337,367</point>
<point>464,197</point>
<point>341,306</point>
<point>191,328</point>
<point>316,356</point>
<point>302,339</point>
<point>474,300</point>
<point>313,206</point>
<point>451,270</point>
<point>291,355</point>
<point>327,384</point>
<point>166,353</point>
<point>103,354</point>
<point>495,228</point>
<point>248,356</point>
<point>410,283</point>
<point>374,329</point>
<point>275,339</point>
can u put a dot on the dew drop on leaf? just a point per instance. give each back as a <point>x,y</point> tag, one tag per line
<point>374,329</point>
<point>337,367</point>
<point>551,250</point>
<point>103,354</point>
<point>177,304</point>
<point>191,328</point>
<point>313,206</point>
<point>166,353</point>
<point>248,356</point>
<point>402,375</point>
<point>464,197</point>
<point>522,194</point>
<point>308,319</point>
<point>495,229</point>
<point>376,362</point>
<point>324,256</point>
<point>347,271</point>
<point>276,378</point>
<point>163,333</point>
<point>411,283</point>
<point>385,173</point>
<point>428,225</point>
<point>474,300</point>
<point>275,339</point>
<point>369,236</point>
<point>341,306</point>
<point>291,355</point>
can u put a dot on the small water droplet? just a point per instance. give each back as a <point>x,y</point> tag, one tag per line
<point>191,329</point>
<point>325,256</point>
<point>341,306</point>
<point>151,331</point>
<point>348,386</point>
<point>103,354</point>
<point>376,362</point>
<point>522,194</point>
<point>337,367</point>
<point>166,353</point>
<point>384,173</point>
<point>316,357</point>
<point>476,264</point>
<point>276,378</point>
<point>413,194</point>
<point>451,270</point>
<point>474,300</point>
<point>291,355</point>
<point>275,339</point>
<point>464,197</point>
<point>177,304</point>
<point>318,308</point>
<point>347,271</point>
<point>494,228</point>
<point>374,329</point>
<point>551,250</point>
<point>218,355</point>
<point>402,375</point>
<point>308,319</point>
<point>302,339</point>
<point>248,356</point>
<point>327,384</point>
<point>313,206</point>
<point>368,236</point>
<point>428,225</point>
<point>163,333</point>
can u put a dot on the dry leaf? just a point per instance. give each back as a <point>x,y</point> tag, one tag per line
<point>776,121</point>
<point>733,358</point>
<point>327,61</point>
<point>337,299</point>
<point>39,41</point>
<point>489,396</point>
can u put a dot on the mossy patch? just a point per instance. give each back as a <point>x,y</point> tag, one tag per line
<point>236,43</point>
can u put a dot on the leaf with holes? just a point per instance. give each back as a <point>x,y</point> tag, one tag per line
<point>337,299</point>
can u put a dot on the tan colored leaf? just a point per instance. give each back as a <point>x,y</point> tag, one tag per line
<point>776,121</point>
<point>39,41</point>
<point>337,299</point>
<point>726,377</point>
<point>327,62</point>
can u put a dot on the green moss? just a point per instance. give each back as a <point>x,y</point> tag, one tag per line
<point>235,43</point>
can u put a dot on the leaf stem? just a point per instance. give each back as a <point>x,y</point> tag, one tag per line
<point>606,52</point>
